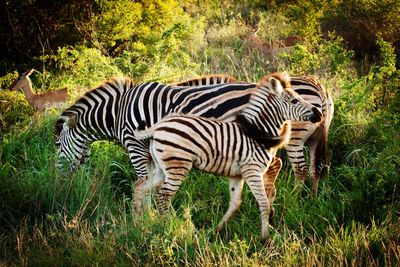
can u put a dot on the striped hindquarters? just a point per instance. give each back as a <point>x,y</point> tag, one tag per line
<point>316,135</point>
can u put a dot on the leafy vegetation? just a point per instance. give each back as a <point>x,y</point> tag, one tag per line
<point>49,217</point>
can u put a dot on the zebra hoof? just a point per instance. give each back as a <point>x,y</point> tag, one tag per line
<point>266,240</point>
<point>271,214</point>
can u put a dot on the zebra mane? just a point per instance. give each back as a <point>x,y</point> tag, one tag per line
<point>211,78</point>
<point>126,83</point>
<point>265,140</point>
<point>121,83</point>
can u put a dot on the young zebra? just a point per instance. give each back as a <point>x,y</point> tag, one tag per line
<point>315,135</point>
<point>241,150</point>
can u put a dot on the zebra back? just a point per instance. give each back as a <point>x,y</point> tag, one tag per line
<point>148,103</point>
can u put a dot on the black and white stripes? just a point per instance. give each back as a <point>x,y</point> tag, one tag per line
<point>115,109</point>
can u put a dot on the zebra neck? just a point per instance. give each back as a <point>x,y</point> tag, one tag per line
<point>262,138</point>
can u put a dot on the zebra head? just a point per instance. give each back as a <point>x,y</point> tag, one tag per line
<point>274,102</point>
<point>72,147</point>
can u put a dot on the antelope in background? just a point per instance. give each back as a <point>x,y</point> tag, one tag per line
<point>38,101</point>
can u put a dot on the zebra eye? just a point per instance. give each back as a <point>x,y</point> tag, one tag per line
<point>294,101</point>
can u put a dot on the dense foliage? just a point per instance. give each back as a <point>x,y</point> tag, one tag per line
<point>49,217</point>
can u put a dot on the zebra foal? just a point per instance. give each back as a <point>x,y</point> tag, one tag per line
<point>241,150</point>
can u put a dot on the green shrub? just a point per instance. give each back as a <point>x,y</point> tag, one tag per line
<point>327,58</point>
<point>81,67</point>
<point>15,111</point>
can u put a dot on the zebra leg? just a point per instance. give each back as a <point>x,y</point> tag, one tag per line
<point>235,189</point>
<point>295,152</point>
<point>139,155</point>
<point>269,182</point>
<point>170,186</point>
<point>256,184</point>
<point>144,187</point>
<point>318,157</point>
<point>140,158</point>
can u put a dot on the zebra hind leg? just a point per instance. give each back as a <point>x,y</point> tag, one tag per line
<point>269,182</point>
<point>235,189</point>
<point>295,152</point>
<point>144,187</point>
<point>170,186</point>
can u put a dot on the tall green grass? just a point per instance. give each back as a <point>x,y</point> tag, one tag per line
<point>83,218</point>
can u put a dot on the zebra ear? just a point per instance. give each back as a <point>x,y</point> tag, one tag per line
<point>276,85</point>
<point>71,121</point>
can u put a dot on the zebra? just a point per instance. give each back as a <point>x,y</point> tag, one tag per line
<point>207,80</point>
<point>93,117</point>
<point>115,109</point>
<point>241,150</point>
<point>315,135</point>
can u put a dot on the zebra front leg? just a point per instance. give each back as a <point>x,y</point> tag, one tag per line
<point>235,189</point>
<point>256,184</point>
<point>269,182</point>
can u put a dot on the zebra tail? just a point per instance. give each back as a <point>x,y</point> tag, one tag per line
<point>142,132</point>
<point>322,159</point>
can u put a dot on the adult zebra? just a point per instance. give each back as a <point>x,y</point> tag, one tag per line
<point>115,109</point>
<point>315,135</point>
<point>241,150</point>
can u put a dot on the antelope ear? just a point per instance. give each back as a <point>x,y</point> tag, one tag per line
<point>27,73</point>
<point>276,85</point>
<point>72,120</point>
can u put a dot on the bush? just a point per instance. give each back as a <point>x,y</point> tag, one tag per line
<point>81,67</point>
<point>327,59</point>
<point>15,111</point>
